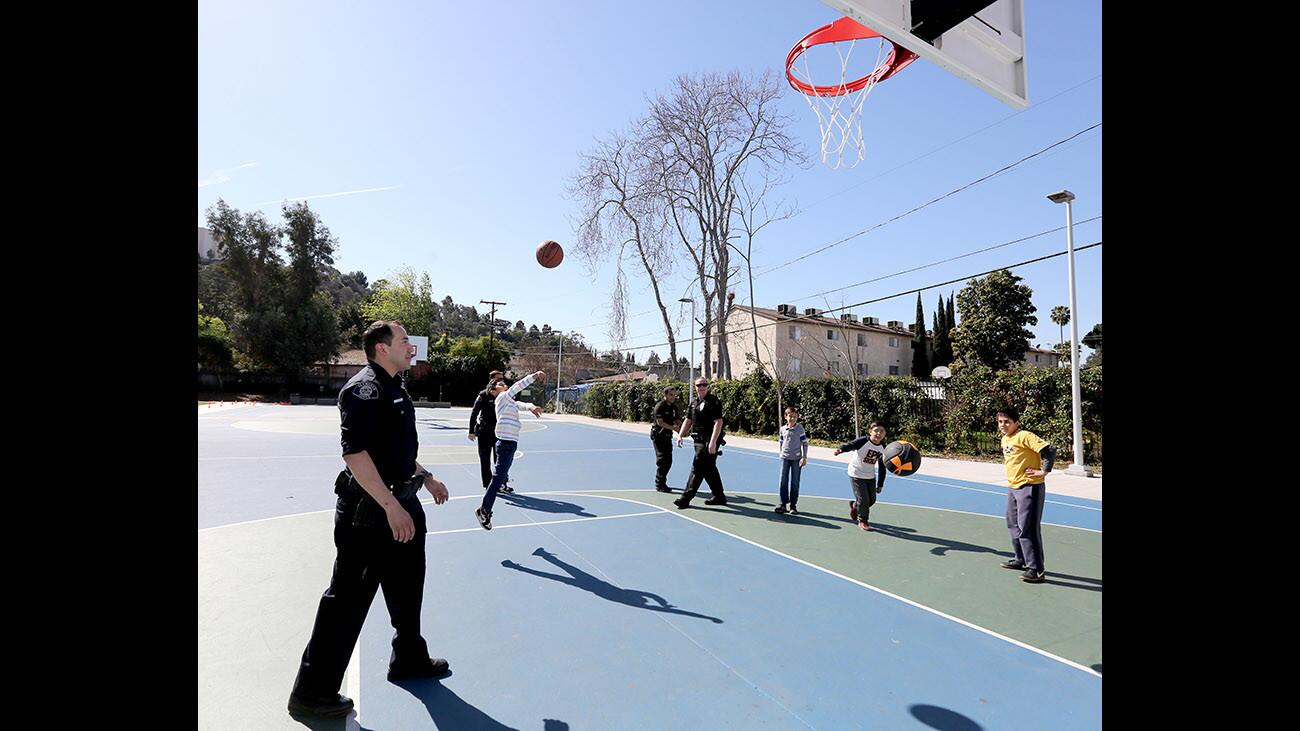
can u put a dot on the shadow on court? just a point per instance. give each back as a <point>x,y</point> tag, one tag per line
<point>347,723</point>
<point>544,505</point>
<point>943,719</point>
<point>449,711</point>
<point>741,504</point>
<point>603,589</point>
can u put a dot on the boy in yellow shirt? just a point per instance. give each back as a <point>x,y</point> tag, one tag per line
<point>1028,459</point>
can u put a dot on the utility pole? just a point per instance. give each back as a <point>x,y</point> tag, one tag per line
<point>558,365</point>
<point>492,326</point>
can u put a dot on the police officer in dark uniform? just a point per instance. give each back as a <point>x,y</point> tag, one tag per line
<point>704,422</point>
<point>482,427</point>
<point>379,528</point>
<point>666,417</point>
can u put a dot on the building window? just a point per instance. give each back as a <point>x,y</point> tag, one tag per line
<point>862,369</point>
<point>862,340</point>
<point>893,342</point>
<point>794,332</point>
<point>795,365</point>
<point>1035,357</point>
<point>893,370</point>
<point>832,334</point>
<point>833,367</point>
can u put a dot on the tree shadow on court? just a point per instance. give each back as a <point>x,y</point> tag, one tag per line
<point>742,504</point>
<point>603,589</point>
<point>543,505</point>
<point>347,723</point>
<point>942,718</point>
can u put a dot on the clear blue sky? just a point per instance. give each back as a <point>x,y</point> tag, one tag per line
<point>461,125</point>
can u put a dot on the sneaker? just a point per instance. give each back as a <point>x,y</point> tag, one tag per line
<point>1012,564</point>
<point>863,525</point>
<point>780,509</point>
<point>663,489</point>
<point>430,667</point>
<point>793,509</point>
<point>337,705</point>
<point>506,489</point>
<point>484,519</point>
<point>1033,577</point>
<point>853,510</point>
<point>716,500</point>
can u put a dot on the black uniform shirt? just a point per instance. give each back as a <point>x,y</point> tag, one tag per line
<point>379,419</point>
<point>483,417</point>
<point>666,411</point>
<point>703,414</point>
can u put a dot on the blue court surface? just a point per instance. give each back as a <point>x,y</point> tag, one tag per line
<point>594,604</point>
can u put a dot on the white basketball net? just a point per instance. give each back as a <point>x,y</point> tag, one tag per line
<point>840,116</point>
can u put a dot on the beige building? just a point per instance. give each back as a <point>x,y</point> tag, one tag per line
<point>809,343</point>
<point>209,249</point>
<point>1042,358</point>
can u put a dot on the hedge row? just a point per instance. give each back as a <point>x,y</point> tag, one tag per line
<point>962,420</point>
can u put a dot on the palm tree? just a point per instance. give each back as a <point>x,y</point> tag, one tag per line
<point>1061,316</point>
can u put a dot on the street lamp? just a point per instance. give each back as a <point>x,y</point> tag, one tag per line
<point>692,301</point>
<point>1077,467</point>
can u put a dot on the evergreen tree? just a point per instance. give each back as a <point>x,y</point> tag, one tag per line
<point>920,343</point>
<point>942,337</point>
<point>996,312</point>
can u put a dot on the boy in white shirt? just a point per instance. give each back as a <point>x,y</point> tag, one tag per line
<point>866,471</point>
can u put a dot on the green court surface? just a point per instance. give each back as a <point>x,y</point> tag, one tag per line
<point>943,560</point>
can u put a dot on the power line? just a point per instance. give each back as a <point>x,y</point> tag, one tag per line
<point>929,203</point>
<point>806,318</point>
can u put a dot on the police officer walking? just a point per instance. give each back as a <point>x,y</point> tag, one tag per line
<point>666,417</point>
<point>704,423</point>
<point>379,528</point>
<point>483,427</point>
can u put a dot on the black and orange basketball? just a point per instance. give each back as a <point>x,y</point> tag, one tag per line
<point>902,458</point>
<point>549,254</point>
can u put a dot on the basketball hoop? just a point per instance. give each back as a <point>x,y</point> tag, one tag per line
<point>839,106</point>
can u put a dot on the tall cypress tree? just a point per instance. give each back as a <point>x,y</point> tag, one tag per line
<point>920,344</point>
<point>942,342</point>
<point>952,317</point>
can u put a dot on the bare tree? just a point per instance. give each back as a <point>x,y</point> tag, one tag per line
<point>705,137</point>
<point>621,213</point>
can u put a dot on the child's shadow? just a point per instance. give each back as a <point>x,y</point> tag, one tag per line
<point>739,504</point>
<point>544,505</point>
<point>449,711</point>
<point>603,589</point>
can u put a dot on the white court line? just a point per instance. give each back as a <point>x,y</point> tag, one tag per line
<point>429,501</point>
<point>659,511</point>
<point>891,595</point>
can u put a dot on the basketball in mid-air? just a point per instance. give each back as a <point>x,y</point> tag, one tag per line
<point>549,254</point>
<point>902,458</point>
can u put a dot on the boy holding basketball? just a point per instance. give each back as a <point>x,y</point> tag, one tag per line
<point>1028,459</point>
<point>866,471</point>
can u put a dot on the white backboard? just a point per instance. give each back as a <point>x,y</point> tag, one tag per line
<point>421,343</point>
<point>986,49</point>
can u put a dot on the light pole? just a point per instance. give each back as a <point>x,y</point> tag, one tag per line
<point>692,301</point>
<point>1077,467</point>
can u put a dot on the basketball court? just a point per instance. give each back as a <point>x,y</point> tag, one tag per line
<point>593,603</point>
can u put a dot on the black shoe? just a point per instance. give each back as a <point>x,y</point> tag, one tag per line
<point>793,509</point>
<point>780,509</point>
<point>716,500</point>
<point>337,705</point>
<point>663,489</point>
<point>680,505</point>
<point>506,489</point>
<point>1012,564</point>
<point>1033,577</point>
<point>431,667</point>
<point>484,519</point>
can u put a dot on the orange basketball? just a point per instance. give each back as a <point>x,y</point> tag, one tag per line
<point>549,254</point>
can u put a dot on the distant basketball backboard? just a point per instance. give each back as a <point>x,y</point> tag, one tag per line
<point>980,41</point>
<point>421,343</point>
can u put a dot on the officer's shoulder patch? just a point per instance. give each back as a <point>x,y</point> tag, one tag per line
<point>366,391</point>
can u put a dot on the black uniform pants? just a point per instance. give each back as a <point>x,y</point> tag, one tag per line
<point>663,442</point>
<point>487,455</point>
<point>367,558</point>
<point>704,468</point>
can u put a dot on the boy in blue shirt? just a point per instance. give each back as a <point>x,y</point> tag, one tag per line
<point>794,455</point>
